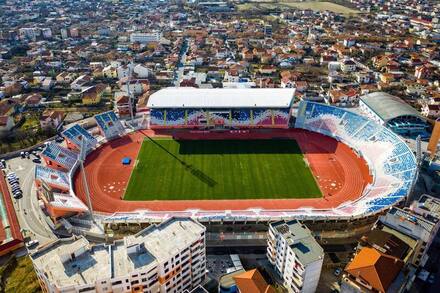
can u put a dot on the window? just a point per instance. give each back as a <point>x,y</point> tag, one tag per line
<point>116,283</point>
<point>86,289</point>
<point>151,270</point>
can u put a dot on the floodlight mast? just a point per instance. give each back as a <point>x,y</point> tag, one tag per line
<point>82,157</point>
<point>130,94</point>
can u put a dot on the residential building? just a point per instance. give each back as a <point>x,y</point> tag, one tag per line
<point>93,95</point>
<point>296,255</point>
<point>110,72</point>
<point>431,111</point>
<point>169,257</point>
<point>144,38</point>
<point>252,282</point>
<point>415,229</point>
<point>371,271</point>
<point>51,119</point>
<point>6,124</point>
<point>348,66</point>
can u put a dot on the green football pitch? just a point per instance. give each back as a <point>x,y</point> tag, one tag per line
<point>168,169</point>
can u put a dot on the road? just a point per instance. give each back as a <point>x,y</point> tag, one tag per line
<point>181,64</point>
<point>29,214</point>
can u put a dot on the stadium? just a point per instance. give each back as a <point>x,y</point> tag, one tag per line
<point>228,155</point>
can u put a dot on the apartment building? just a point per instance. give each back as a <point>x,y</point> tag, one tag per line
<point>169,257</point>
<point>145,38</point>
<point>412,227</point>
<point>296,255</point>
<point>388,256</point>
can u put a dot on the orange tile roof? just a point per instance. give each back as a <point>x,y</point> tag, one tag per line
<point>377,269</point>
<point>252,282</point>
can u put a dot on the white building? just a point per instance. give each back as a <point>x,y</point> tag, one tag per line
<point>142,71</point>
<point>169,257</point>
<point>145,38</point>
<point>348,66</point>
<point>296,255</point>
<point>47,33</point>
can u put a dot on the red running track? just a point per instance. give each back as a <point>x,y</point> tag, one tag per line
<point>341,175</point>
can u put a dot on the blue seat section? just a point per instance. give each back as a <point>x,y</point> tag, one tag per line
<point>110,124</point>
<point>406,175</point>
<point>175,116</point>
<point>52,176</point>
<point>242,116</point>
<point>367,131</point>
<point>354,129</point>
<point>385,201</point>
<point>157,116</point>
<point>76,134</point>
<point>399,148</point>
<point>352,123</point>
<point>317,110</point>
<point>63,156</point>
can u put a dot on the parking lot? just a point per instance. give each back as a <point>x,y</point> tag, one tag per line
<point>31,218</point>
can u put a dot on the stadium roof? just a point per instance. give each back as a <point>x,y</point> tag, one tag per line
<point>185,97</point>
<point>388,107</point>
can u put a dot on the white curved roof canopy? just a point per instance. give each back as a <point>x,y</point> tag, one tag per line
<point>187,97</point>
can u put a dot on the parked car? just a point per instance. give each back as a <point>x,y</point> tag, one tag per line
<point>36,161</point>
<point>337,272</point>
<point>32,243</point>
<point>11,175</point>
<point>23,155</point>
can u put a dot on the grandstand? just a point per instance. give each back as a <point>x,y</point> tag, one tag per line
<point>391,162</point>
<point>54,178</point>
<point>59,158</point>
<point>60,204</point>
<point>220,108</point>
<point>109,124</point>
<point>75,134</point>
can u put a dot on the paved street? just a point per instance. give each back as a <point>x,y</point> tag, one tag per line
<point>29,213</point>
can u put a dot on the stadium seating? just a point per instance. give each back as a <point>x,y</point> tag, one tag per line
<point>52,177</point>
<point>175,117</point>
<point>262,117</point>
<point>237,117</point>
<point>109,124</point>
<point>391,159</point>
<point>76,134</point>
<point>157,116</point>
<point>62,156</point>
<point>241,116</point>
<point>67,201</point>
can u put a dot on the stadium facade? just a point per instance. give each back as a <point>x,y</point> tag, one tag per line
<point>220,108</point>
